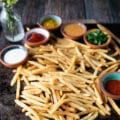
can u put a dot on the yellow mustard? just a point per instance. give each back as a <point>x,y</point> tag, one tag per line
<point>50,23</point>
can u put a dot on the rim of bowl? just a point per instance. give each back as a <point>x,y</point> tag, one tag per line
<point>55,17</point>
<point>12,65</point>
<point>70,36</point>
<point>116,97</point>
<point>93,45</point>
<point>42,31</point>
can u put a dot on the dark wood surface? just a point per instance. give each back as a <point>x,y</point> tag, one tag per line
<point>105,11</point>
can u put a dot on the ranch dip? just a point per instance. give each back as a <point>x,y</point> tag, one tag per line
<point>14,56</point>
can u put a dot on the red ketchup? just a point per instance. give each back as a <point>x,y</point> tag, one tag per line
<point>36,37</point>
<point>113,86</point>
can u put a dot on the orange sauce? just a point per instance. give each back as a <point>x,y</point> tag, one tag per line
<point>74,29</point>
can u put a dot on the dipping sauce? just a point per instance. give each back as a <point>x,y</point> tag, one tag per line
<point>50,23</point>
<point>36,37</point>
<point>14,56</point>
<point>74,29</point>
<point>113,86</point>
<point>97,37</point>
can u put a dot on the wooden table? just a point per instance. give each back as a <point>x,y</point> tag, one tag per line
<point>107,11</point>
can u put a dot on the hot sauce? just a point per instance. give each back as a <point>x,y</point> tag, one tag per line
<point>36,37</point>
<point>113,86</point>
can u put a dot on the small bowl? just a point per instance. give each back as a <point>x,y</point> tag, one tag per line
<point>50,22</point>
<point>13,56</point>
<point>94,46</point>
<point>73,30</point>
<point>103,82</point>
<point>36,36</point>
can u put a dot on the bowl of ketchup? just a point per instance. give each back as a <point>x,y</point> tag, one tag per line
<point>110,85</point>
<point>36,36</point>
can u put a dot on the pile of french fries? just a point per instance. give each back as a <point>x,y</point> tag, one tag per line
<point>60,81</point>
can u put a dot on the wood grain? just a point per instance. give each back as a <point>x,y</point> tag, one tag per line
<point>105,11</point>
<point>67,9</point>
<point>99,10</point>
<point>115,11</point>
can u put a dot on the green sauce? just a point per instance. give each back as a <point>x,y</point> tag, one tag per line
<point>97,37</point>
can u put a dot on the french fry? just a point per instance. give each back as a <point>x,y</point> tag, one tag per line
<point>18,88</point>
<point>67,113</point>
<point>108,57</point>
<point>26,80</point>
<point>60,82</point>
<point>103,108</point>
<point>27,108</point>
<point>94,115</point>
<point>40,85</point>
<point>36,64</point>
<point>115,107</point>
<point>59,103</point>
<point>13,81</point>
<point>98,95</point>
<point>69,86</point>
<point>33,101</point>
<point>34,97</point>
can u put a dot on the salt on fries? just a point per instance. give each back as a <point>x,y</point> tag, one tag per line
<point>60,82</point>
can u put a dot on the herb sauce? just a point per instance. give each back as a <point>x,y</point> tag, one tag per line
<point>97,37</point>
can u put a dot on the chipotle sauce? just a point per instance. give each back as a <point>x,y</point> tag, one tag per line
<point>74,29</point>
<point>36,37</point>
<point>113,86</point>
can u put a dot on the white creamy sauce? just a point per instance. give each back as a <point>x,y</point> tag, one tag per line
<point>14,56</point>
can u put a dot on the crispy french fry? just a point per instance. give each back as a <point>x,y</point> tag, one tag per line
<point>18,88</point>
<point>60,81</point>
<point>59,103</point>
<point>27,108</point>
<point>115,107</point>
<point>13,81</point>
